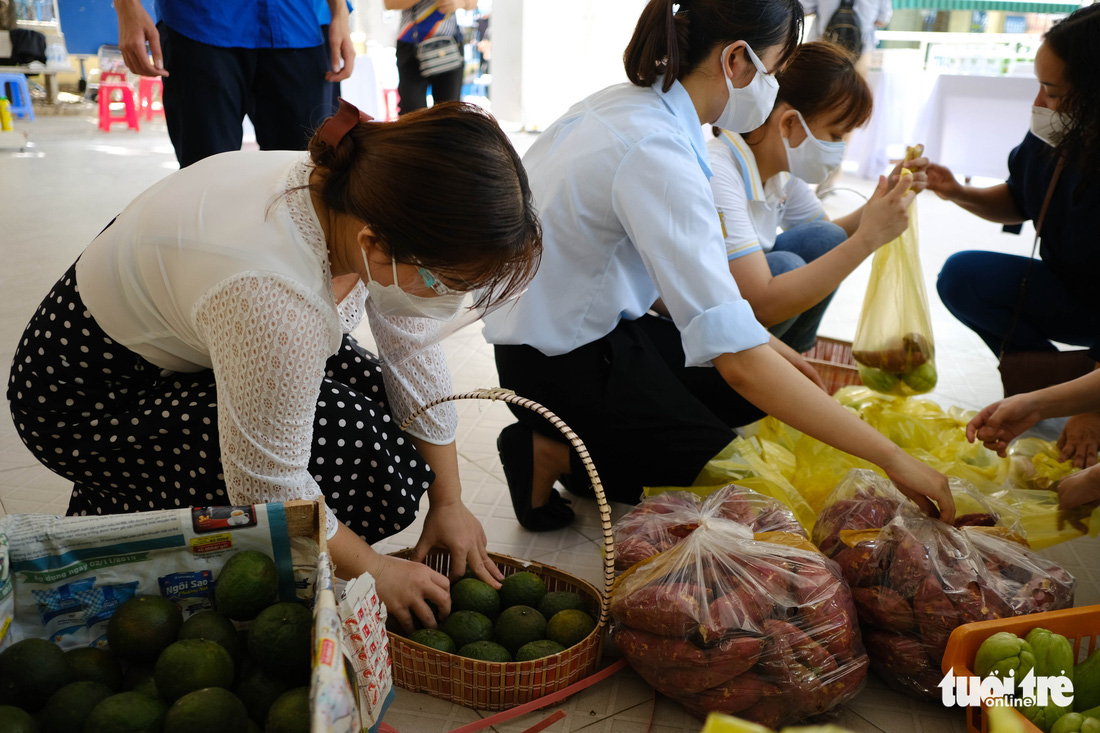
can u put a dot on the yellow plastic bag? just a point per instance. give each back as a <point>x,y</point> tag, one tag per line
<point>893,344</point>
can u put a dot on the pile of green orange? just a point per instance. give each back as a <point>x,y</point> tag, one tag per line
<point>161,674</point>
<point>520,622</point>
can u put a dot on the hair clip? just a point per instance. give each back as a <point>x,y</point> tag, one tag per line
<point>336,127</point>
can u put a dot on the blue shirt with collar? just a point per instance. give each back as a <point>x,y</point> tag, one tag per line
<point>244,23</point>
<point>620,184</point>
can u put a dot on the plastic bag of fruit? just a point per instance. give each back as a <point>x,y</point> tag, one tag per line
<point>915,579</point>
<point>662,520</point>
<point>893,342</point>
<point>731,622</point>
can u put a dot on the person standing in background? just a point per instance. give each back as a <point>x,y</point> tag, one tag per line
<point>222,62</point>
<point>421,20</point>
<point>872,14</point>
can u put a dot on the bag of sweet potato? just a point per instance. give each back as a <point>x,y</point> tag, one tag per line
<point>915,579</point>
<point>761,626</point>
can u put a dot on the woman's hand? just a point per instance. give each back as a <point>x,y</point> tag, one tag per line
<point>1079,488</point>
<point>998,424</point>
<point>942,182</point>
<point>886,215</point>
<point>923,484</point>
<point>918,167</point>
<point>406,586</point>
<point>135,29</point>
<point>1080,439</point>
<point>454,528</point>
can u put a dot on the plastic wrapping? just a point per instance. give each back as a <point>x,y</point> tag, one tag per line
<point>761,627</point>
<point>893,342</point>
<point>664,519</point>
<point>915,579</point>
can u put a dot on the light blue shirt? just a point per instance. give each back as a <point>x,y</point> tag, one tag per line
<point>620,184</point>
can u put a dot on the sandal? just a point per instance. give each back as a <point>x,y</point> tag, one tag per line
<point>517,459</point>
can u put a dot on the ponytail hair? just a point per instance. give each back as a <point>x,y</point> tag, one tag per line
<point>671,39</point>
<point>820,79</point>
<point>441,187</point>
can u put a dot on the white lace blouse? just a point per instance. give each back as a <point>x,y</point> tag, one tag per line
<point>223,265</point>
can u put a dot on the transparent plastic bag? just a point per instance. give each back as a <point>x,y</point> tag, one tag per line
<point>893,343</point>
<point>722,621</point>
<point>662,520</point>
<point>915,579</point>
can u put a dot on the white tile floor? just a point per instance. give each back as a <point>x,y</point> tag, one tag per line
<point>74,179</point>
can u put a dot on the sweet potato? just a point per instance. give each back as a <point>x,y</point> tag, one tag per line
<point>656,649</point>
<point>896,655</point>
<point>632,550</point>
<point>976,520</point>
<point>831,623</point>
<point>805,650</point>
<point>865,564</point>
<point>771,711</point>
<point>730,697</point>
<point>736,611</point>
<point>813,582</point>
<point>884,608</point>
<point>972,604</point>
<point>910,564</point>
<point>723,664</point>
<point>666,609</point>
<point>935,614</point>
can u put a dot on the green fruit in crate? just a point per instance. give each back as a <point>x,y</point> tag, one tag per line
<point>142,627</point>
<point>1053,657</point>
<point>466,627</point>
<point>922,379</point>
<point>517,626</point>
<point>522,589</point>
<point>192,664</point>
<point>1086,683</point>
<point>210,710</point>
<point>16,720</point>
<point>434,639</point>
<point>280,640</point>
<point>878,380</point>
<point>248,583</point>
<point>127,712</point>
<point>538,650</point>
<point>1075,723</point>
<point>560,600</point>
<point>1004,653</point>
<point>290,713</point>
<point>139,678</point>
<point>570,627</point>
<point>215,627</point>
<point>485,651</point>
<point>94,665</point>
<point>30,671</point>
<point>69,707</point>
<point>471,594</point>
<point>258,691</point>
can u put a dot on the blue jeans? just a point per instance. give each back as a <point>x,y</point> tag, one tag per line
<point>793,249</point>
<point>981,290</point>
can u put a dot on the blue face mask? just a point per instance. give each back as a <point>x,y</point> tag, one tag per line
<point>391,300</point>
<point>813,160</point>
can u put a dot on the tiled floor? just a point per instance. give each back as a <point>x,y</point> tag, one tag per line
<point>57,196</point>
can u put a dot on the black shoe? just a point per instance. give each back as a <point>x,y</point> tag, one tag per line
<point>517,459</point>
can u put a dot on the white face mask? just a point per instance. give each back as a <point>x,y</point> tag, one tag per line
<point>748,107</point>
<point>391,300</point>
<point>813,160</point>
<point>1047,125</point>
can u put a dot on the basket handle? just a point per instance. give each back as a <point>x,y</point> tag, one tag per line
<point>507,395</point>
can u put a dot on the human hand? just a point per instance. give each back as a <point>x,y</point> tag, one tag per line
<point>341,48</point>
<point>886,214</point>
<point>998,424</point>
<point>941,182</point>
<point>918,166</point>
<point>454,528</point>
<point>1080,439</point>
<point>923,485</point>
<point>135,28</point>
<point>406,586</point>
<point>1079,488</point>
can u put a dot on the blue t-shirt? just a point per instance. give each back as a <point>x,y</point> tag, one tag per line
<point>1070,244</point>
<point>244,23</point>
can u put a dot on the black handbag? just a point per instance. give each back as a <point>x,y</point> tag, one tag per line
<point>1027,371</point>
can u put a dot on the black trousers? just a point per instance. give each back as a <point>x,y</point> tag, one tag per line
<point>412,88</point>
<point>646,419</point>
<point>210,89</point>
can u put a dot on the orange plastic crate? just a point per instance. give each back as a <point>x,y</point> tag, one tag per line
<point>833,360</point>
<point>1080,625</point>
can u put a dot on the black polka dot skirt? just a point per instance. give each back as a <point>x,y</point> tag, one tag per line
<point>134,437</point>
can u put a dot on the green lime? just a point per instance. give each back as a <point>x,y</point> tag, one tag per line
<point>434,639</point>
<point>517,626</point>
<point>465,627</point>
<point>559,600</point>
<point>142,627</point>
<point>289,713</point>
<point>486,651</point>
<point>538,650</point>
<point>280,640</point>
<point>247,583</point>
<point>569,627</point>
<point>95,665</point>
<point>210,710</point>
<point>69,707</point>
<point>213,626</point>
<point>192,664</point>
<point>126,712</point>
<point>30,671</point>
<point>16,720</point>
<point>522,589</point>
<point>471,594</point>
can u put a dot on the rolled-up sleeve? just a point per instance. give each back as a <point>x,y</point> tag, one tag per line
<point>674,225</point>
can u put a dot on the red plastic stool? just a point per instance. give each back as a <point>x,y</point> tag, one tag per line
<point>391,98</point>
<point>126,96</point>
<point>107,77</point>
<point>150,91</point>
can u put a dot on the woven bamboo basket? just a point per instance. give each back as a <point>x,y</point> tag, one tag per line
<point>482,685</point>
<point>833,360</point>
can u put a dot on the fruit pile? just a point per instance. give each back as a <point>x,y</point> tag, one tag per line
<point>520,622</point>
<point>161,673</point>
<point>902,367</point>
<point>915,579</point>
